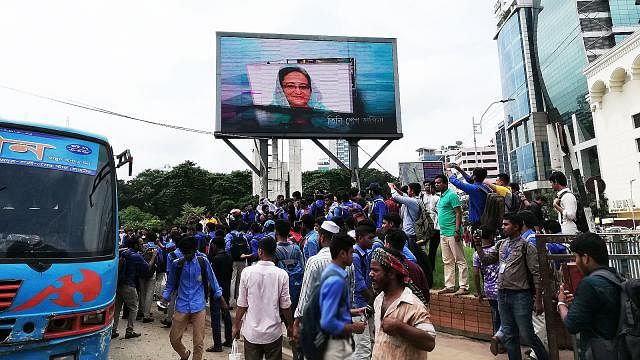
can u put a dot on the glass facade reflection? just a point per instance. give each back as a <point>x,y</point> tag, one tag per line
<point>523,164</point>
<point>624,12</point>
<point>512,70</point>
<point>562,57</point>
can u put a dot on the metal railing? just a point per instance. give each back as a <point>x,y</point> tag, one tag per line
<point>624,256</point>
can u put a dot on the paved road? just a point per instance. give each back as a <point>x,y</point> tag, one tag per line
<point>154,345</point>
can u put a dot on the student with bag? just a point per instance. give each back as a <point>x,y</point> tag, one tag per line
<point>263,295</point>
<point>605,308</point>
<point>191,277</point>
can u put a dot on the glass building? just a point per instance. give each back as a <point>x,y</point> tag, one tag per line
<point>543,47</point>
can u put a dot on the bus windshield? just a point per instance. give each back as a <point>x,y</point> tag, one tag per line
<point>50,211</point>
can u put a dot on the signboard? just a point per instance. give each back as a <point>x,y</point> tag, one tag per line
<point>29,148</point>
<point>296,86</point>
<point>420,171</point>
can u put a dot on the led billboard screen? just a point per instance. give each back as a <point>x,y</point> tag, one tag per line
<point>294,86</point>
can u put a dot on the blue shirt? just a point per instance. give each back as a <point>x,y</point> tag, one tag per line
<point>310,244</point>
<point>405,251</point>
<point>334,301</point>
<point>191,297</point>
<point>477,197</point>
<point>410,213</point>
<point>379,210</point>
<point>361,267</point>
<point>134,267</point>
<point>201,239</point>
<point>254,244</point>
<point>228,238</point>
<point>553,248</point>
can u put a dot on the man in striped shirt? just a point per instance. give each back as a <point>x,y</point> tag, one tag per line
<point>313,271</point>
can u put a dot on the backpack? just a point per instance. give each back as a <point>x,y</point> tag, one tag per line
<point>493,209</point>
<point>512,202</point>
<point>422,260</point>
<point>285,257</point>
<point>239,247</point>
<point>313,340</point>
<point>372,215</point>
<point>626,344</point>
<point>122,265</point>
<point>423,225</point>
<point>581,217</point>
<point>203,274</point>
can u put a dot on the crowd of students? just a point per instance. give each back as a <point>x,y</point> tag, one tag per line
<point>348,274</point>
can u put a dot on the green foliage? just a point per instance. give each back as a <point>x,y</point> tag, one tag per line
<point>190,214</point>
<point>134,218</point>
<point>165,192</point>
<point>339,179</point>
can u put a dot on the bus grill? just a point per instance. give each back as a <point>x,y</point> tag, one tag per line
<point>8,292</point>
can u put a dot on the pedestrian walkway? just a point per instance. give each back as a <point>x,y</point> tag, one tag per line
<point>154,345</point>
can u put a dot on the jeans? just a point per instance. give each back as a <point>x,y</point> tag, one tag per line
<point>515,308</point>
<point>216,311</point>
<point>495,315</point>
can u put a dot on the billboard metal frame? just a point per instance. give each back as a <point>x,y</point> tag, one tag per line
<point>284,135</point>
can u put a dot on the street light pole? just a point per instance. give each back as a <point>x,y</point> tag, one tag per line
<point>477,127</point>
<point>633,214</point>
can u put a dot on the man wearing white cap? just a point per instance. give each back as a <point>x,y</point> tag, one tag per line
<point>313,271</point>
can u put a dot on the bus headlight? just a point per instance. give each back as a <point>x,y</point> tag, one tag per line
<point>93,319</point>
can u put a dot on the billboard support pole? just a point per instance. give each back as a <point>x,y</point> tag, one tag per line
<point>241,155</point>
<point>375,156</point>
<point>264,167</point>
<point>353,163</point>
<point>330,154</point>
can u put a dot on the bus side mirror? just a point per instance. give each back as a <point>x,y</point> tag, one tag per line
<point>125,158</point>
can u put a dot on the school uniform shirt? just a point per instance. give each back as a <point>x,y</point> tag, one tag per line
<point>335,310</point>
<point>191,297</point>
<point>312,273</point>
<point>408,309</point>
<point>361,266</point>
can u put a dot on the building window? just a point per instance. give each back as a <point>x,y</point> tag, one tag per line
<point>638,143</point>
<point>636,120</point>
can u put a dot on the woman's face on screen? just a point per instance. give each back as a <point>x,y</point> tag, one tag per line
<point>297,89</point>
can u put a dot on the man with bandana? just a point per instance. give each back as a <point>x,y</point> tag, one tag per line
<point>403,329</point>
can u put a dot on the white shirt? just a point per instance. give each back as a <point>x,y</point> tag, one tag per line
<point>567,218</point>
<point>431,203</point>
<point>312,275</point>
<point>263,290</point>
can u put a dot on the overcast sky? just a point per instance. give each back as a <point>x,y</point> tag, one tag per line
<point>156,60</point>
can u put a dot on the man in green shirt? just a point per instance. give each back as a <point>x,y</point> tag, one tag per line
<point>450,221</point>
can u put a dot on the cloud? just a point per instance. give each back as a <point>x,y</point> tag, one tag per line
<point>156,60</point>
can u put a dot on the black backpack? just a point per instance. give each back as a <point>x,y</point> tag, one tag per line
<point>122,265</point>
<point>313,340</point>
<point>626,344</point>
<point>203,274</point>
<point>239,247</point>
<point>581,217</point>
